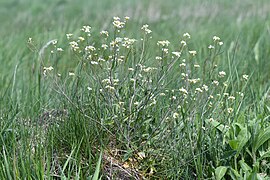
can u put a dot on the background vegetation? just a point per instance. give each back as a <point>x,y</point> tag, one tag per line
<point>55,127</point>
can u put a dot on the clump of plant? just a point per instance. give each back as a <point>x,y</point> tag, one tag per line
<point>158,111</point>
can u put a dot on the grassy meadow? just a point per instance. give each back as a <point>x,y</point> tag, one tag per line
<point>135,89</point>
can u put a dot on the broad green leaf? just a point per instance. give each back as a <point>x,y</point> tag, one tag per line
<point>262,138</point>
<point>243,137</point>
<point>241,119</point>
<point>234,144</point>
<point>244,166</point>
<point>220,172</point>
<point>234,174</point>
<point>97,167</point>
<point>252,176</point>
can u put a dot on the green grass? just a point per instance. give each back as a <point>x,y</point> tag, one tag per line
<point>55,127</point>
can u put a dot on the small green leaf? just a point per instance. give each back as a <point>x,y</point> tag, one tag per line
<point>220,172</point>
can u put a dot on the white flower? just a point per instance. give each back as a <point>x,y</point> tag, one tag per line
<point>132,79</point>
<point>94,62</point>
<point>173,98</point>
<point>121,103</point>
<point>199,90</point>
<point>48,68</point>
<point>163,43</point>
<point>241,94</point>
<point>222,74</point>
<point>101,59</point>
<point>186,35</point>
<point>205,87</point>
<point>105,33</point>
<point>90,48</point>
<point>117,23</point>
<point>136,103</point>
<point>175,115</point>
<point>145,29</point>
<point>193,53</point>
<point>230,110</point>
<point>158,58</point>
<point>69,35</point>
<point>245,76</point>
<point>89,88</point>
<point>215,82</point>
<point>177,54</point>
<point>165,50</point>
<point>104,46</point>
<point>109,88</point>
<point>147,69</point>
<point>183,90</point>
<point>71,74</point>
<point>30,40</point>
<point>182,64</point>
<point>196,65</point>
<point>81,38</point>
<point>183,43</point>
<point>194,81</point>
<point>86,29</point>
<point>216,38</point>
<point>211,47</point>
<point>59,49</point>
<point>184,74</point>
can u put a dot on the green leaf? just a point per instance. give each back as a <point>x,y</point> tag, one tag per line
<point>220,172</point>
<point>256,51</point>
<point>264,154</point>
<point>234,144</point>
<point>234,174</point>
<point>228,154</point>
<point>67,161</point>
<point>97,167</point>
<point>262,138</point>
<point>252,176</point>
<point>243,137</point>
<point>217,125</point>
<point>244,166</point>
